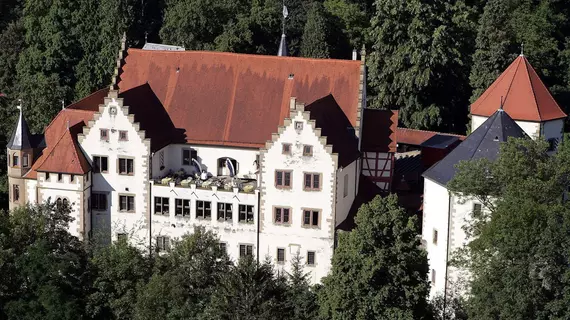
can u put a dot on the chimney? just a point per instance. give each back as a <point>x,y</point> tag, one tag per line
<point>354,54</point>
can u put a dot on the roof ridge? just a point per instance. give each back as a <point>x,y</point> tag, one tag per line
<point>272,57</point>
<point>52,149</point>
<point>518,61</point>
<point>527,65</point>
<point>436,132</point>
<point>69,106</point>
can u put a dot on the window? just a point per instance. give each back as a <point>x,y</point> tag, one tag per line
<point>224,211</point>
<point>298,125</point>
<point>58,203</point>
<point>123,135</point>
<point>307,151</point>
<point>47,176</point>
<point>127,203</point>
<point>434,236</point>
<point>15,192</point>
<point>345,186</point>
<point>98,201</point>
<point>59,177</point>
<point>280,255</point>
<point>104,134</point>
<point>126,166</point>
<point>227,167</point>
<point>433,276</point>
<point>161,159</point>
<point>283,179</point>
<point>286,148</point>
<point>72,178</point>
<point>476,208</point>
<point>245,213</point>
<point>122,237</point>
<point>310,218</point>
<point>65,202</point>
<point>311,258</point>
<point>100,164</point>
<point>15,160</point>
<point>312,182</point>
<point>282,215</point>
<point>25,162</point>
<point>188,155</point>
<point>162,244</point>
<point>245,250</point>
<point>161,205</point>
<point>224,246</point>
<point>203,209</point>
<point>182,207</point>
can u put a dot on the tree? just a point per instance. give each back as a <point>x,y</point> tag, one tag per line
<point>420,61</point>
<point>517,254</point>
<point>250,290</point>
<point>117,272</point>
<point>185,279</point>
<point>43,267</point>
<point>379,270</point>
<point>301,298</point>
<point>315,34</point>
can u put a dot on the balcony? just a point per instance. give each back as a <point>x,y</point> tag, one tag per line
<point>220,183</point>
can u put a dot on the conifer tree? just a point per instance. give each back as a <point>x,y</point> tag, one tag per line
<point>315,34</point>
<point>302,299</point>
<point>379,270</point>
<point>420,61</point>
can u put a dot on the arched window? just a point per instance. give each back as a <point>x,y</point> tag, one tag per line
<point>58,203</point>
<point>65,202</point>
<point>227,167</point>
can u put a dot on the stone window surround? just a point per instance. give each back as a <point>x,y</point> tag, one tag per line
<point>123,135</point>
<point>104,134</point>
<point>245,246</point>
<point>278,260</point>
<point>162,206</point>
<point>307,150</point>
<point>273,213</point>
<point>127,195</point>
<point>180,202</point>
<point>224,214</point>
<point>282,185</point>
<point>246,207</point>
<point>126,158</point>
<point>312,188</point>
<point>286,148</point>
<point>203,216</point>
<point>97,164</point>
<point>314,253</point>
<point>311,225</point>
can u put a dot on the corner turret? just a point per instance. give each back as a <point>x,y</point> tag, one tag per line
<point>20,154</point>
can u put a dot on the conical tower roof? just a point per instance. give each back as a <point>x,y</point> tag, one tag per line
<point>283,50</point>
<point>525,97</point>
<point>484,142</point>
<point>21,136</point>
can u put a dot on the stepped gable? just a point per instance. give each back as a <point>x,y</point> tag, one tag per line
<point>525,97</point>
<point>62,153</point>
<point>484,142</point>
<point>379,130</point>
<point>238,100</point>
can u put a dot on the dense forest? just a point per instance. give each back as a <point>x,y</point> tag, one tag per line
<point>429,59</point>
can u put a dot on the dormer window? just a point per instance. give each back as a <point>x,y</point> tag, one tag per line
<point>104,133</point>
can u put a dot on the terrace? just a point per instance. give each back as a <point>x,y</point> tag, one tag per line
<point>206,181</point>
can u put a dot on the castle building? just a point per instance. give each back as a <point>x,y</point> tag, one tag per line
<point>264,150</point>
<point>517,104</point>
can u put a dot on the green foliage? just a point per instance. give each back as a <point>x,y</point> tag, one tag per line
<point>43,267</point>
<point>314,43</point>
<point>378,270</point>
<point>420,60</point>
<point>250,291</point>
<point>302,299</point>
<point>518,256</point>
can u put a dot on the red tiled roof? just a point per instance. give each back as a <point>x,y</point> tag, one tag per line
<point>237,99</point>
<point>379,130</point>
<point>91,102</point>
<point>524,95</point>
<point>62,153</point>
<point>417,137</point>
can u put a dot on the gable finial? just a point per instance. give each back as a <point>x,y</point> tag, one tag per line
<point>522,50</point>
<point>62,104</point>
<point>19,106</point>
<point>146,37</point>
<point>283,50</point>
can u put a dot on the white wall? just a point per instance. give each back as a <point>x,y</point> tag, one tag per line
<point>343,204</point>
<point>108,223</point>
<point>232,233</point>
<point>530,128</point>
<point>436,217</point>
<point>294,237</point>
<point>207,156</point>
<point>31,190</point>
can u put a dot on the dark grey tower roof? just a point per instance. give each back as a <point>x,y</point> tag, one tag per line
<point>21,136</point>
<point>283,51</point>
<point>484,142</point>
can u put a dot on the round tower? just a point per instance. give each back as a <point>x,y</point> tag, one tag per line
<point>19,160</point>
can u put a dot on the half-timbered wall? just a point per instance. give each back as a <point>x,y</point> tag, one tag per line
<point>379,167</point>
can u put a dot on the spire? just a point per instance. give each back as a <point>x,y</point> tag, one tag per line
<point>501,105</point>
<point>20,138</point>
<point>283,51</point>
<point>522,50</point>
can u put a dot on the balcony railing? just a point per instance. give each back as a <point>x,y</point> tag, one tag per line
<point>221,183</point>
